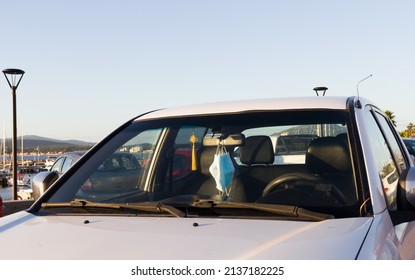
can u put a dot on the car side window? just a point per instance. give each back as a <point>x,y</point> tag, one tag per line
<point>187,142</point>
<point>388,156</point>
<point>120,175</point>
<point>57,166</point>
<point>393,144</point>
<point>67,163</point>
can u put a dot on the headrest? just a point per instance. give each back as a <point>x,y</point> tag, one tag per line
<point>257,150</point>
<point>328,155</point>
<point>206,159</point>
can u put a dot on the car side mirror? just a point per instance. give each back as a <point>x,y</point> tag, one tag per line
<point>406,190</point>
<point>42,181</point>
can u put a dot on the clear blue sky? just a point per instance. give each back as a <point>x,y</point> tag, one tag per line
<point>92,65</point>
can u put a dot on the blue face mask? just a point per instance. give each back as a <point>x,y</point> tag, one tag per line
<point>222,170</point>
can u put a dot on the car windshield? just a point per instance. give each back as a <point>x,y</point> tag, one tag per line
<point>298,158</point>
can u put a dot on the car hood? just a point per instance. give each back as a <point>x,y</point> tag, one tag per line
<point>27,236</point>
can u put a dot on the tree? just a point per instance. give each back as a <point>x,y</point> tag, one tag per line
<point>410,129</point>
<point>391,116</point>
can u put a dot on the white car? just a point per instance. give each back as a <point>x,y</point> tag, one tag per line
<point>212,185</point>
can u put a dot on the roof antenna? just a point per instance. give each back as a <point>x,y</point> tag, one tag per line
<point>318,89</point>
<point>358,104</point>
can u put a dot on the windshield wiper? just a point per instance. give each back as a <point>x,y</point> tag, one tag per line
<point>279,209</point>
<point>155,207</point>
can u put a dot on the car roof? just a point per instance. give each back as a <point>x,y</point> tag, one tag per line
<point>270,104</point>
<point>74,154</point>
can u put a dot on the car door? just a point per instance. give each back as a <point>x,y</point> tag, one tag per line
<point>391,160</point>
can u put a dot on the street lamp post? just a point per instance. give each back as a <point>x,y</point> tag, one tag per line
<point>13,77</point>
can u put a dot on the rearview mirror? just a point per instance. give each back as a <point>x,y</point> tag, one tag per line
<point>230,140</point>
<point>42,181</point>
<point>406,190</point>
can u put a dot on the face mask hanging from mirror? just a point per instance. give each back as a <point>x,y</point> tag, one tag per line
<point>222,170</point>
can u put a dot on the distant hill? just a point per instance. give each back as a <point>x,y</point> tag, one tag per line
<point>41,139</point>
<point>32,142</point>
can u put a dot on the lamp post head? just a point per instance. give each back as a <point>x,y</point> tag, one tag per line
<point>14,75</point>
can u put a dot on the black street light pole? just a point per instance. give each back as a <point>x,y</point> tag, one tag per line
<point>14,81</point>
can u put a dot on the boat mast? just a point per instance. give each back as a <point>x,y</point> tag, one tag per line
<point>21,135</point>
<point>4,144</point>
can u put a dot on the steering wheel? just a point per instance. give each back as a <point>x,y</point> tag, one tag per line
<point>310,180</point>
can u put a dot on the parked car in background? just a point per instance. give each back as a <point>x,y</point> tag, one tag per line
<point>58,166</point>
<point>118,174</point>
<point>64,161</point>
<point>410,145</point>
<point>349,193</point>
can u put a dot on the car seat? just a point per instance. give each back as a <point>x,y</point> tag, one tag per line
<point>328,180</point>
<point>256,155</point>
